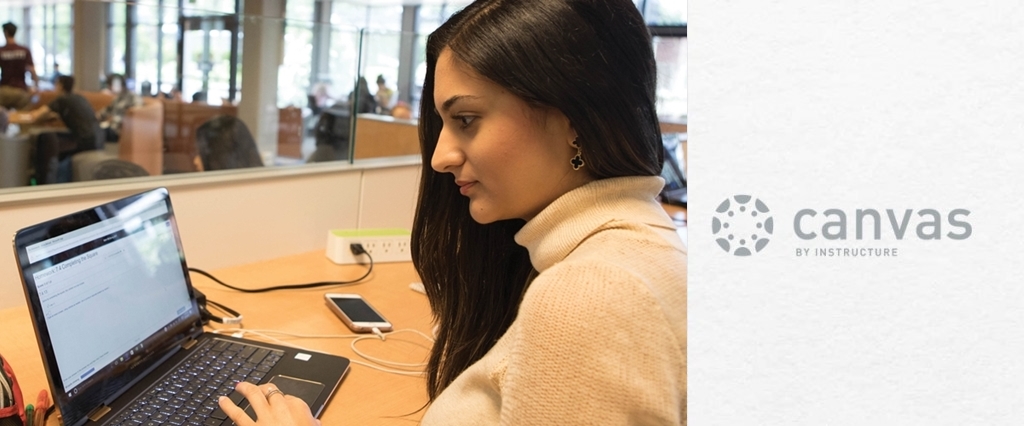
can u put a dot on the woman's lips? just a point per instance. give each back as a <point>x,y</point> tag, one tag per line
<point>465,186</point>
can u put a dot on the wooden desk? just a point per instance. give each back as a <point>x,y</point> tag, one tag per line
<point>19,118</point>
<point>677,213</point>
<point>385,136</point>
<point>24,120</point>
<point>97,100</point>
<point>365,397</point>
<point>673,126</point>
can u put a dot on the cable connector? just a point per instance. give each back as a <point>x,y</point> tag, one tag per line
<point>232,321</point>
<point>357,249</point>
<point>378,333</point>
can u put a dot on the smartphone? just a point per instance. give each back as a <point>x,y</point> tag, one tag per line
<point>358,315</point>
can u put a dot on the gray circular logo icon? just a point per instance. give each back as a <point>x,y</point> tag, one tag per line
<point>742,225</point>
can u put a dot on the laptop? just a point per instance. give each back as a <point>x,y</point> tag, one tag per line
<point>675,184</point>
<point>120,331</point>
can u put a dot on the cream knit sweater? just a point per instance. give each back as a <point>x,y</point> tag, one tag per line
<point>600,337</point>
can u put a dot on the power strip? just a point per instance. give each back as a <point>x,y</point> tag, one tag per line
<point>385,245</point>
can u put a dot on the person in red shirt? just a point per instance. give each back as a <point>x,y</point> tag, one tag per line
<point>15,61</point>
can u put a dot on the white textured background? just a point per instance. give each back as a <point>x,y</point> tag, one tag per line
<point>858,104</point>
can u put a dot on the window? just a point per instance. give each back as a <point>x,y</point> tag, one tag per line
<point>381,45</point>
<point>670,54</point>
<point>59,42</point>
<point>45,30</point>
<point>328,42</point>
<point>207,7</point>
<point>344,48</point>
<point>16,14</point>
<point>293,79</point>
<point>155,34</point>
<point>430,17</point>
<point>663,12</point>
<point>666,20</point>
<point>168,62</point>
<point>148,55</point>
<point>117,27</point>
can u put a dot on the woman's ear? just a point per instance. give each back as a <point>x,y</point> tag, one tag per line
<point>567,129</point>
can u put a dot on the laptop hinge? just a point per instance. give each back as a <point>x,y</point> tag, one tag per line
<point>189,344</point>
<point>98,413</point>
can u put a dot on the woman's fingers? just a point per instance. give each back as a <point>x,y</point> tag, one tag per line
<point>257,395</point>
<point>235,413</point>
<point>272,407</point>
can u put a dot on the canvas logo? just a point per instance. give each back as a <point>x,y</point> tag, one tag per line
<point>742,225</point>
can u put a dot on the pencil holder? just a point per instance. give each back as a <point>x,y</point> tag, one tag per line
<point>12,407</point>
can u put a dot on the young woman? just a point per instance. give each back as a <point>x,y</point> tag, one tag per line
<point>557,281</point>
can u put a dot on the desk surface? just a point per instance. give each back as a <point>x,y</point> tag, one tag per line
<point>19,118</point>
<point>24,119</point>
<point>365,396</point>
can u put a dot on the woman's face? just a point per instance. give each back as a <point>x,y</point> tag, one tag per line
<point>511,160</point>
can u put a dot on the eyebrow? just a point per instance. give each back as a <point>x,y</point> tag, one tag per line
<point>452,100</point>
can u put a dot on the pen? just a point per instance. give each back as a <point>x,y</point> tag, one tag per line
<point>28,415</point>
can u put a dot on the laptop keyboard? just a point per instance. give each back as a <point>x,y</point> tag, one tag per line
<point>188,395</point>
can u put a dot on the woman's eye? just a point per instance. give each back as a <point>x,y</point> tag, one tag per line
<point>465,120</point>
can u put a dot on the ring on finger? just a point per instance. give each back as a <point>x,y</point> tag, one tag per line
<point>274,392</point>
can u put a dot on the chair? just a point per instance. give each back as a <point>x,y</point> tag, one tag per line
<point>181,122</point>
<point>332,135</point>
<point>224,142</point>
<point>15,160</point>
<point>313,107</point>
<point>116,168</point>
<point>83,163</point>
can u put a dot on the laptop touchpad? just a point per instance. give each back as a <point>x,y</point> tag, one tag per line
<point>305,390</point>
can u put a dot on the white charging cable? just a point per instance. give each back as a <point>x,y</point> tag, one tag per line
<point>265,334</point>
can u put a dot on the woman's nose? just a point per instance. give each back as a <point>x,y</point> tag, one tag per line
<point>447,155</point>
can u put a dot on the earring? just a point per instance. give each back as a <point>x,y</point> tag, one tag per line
<point>577,161</point>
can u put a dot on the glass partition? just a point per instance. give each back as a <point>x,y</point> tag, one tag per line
<point>383,125</point>
<point>198,94</point>
<point>216,86</point>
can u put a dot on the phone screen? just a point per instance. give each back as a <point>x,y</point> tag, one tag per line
<point>357,310</point>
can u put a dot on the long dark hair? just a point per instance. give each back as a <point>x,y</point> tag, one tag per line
<point>591,60</point>
<point>224,142</point>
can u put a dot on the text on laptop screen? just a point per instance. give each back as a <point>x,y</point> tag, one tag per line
<point>107,287</point>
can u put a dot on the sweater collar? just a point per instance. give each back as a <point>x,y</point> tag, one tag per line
<point>565,223</point>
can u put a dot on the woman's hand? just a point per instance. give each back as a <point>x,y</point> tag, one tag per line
<point>272,407</point>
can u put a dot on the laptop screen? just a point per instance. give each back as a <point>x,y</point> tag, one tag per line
<point>107,288</point>
<point>671,173</point>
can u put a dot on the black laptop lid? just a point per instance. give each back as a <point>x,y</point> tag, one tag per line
<point>109,293</point>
